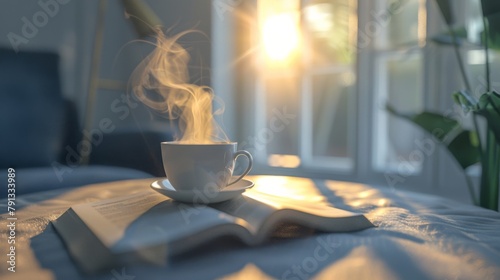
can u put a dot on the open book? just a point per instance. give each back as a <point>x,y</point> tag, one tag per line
<point>150,227</point>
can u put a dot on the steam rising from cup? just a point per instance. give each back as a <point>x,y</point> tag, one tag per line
<point>161,81</point>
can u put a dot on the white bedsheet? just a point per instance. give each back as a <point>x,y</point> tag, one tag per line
<point>417,237</point>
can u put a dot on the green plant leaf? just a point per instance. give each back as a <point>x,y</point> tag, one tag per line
<point>467,101</point>
<point>460,143</point>
<point>437,125</point>
<point>463,148</point>
<point>489,107</point>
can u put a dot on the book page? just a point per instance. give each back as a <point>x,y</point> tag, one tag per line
<point>316,208</point>
<point>108,218</point>
<point>253,212</point>
<point>257,207</point>
<point>300,194</point>
<point>122,211</point>
<point>146,219</point>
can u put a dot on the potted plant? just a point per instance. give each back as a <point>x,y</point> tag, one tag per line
<point>482,143</point>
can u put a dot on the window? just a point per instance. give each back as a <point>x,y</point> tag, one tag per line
<point>307,69</point>
<point>317,75</point>
<point>397,78</point>
<point>314,65</point>
<point>310,75</point>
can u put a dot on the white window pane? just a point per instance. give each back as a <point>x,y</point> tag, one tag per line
<point>397,23</point>
<point>329,129</point>
<point>333,125</point>
<point>282,115</point>
<point>330,28</point>
<point>476,70</point>
<point>395,142</point>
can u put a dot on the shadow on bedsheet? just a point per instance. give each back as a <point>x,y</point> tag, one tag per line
<point>363,198</point>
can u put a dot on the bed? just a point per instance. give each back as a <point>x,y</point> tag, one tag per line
<point>417,236</point>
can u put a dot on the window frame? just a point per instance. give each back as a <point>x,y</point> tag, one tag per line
<point>245,120</point>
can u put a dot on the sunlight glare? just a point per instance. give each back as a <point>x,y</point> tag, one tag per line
<point>287,161</point>
<point>280,34</point>
<point>320,18</point>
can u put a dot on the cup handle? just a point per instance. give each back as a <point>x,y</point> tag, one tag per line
<point>250,163</point>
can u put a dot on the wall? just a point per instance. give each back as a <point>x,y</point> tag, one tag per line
<point>70,27</point>
<point>56,31</point>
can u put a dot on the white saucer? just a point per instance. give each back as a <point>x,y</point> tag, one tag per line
<point>202,197</point>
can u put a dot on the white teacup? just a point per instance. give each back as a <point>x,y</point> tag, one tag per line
<point>201,166</point>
